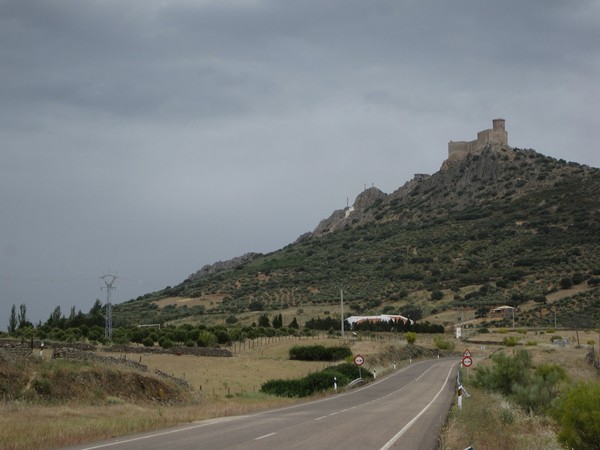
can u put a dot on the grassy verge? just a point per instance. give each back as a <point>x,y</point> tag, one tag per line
<point>24,427</point>
<point>491,421</point>
<point>488,422</point>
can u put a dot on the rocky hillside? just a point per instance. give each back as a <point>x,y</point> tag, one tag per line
<point>503,226</point>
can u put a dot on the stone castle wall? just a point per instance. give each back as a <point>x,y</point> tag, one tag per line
<point>497,135</point>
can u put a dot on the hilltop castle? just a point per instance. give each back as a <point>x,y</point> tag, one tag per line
<point>496,136</point>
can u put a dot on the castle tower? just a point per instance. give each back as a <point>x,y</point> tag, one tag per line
<point>498,124</point>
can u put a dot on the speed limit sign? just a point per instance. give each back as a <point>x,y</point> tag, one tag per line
<point>359,360</point>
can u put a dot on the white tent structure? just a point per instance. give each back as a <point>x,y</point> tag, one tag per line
<point>380,318</point>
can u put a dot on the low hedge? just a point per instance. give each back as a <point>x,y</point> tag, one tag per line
<point>314,382</point>
<point>319,353</point>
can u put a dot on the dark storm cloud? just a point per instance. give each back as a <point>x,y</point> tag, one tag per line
<point>152,137</point>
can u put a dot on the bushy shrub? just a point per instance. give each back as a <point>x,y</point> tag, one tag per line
<point>443,344</point>
<point>42,387</point>
<point>512,376</point>
<point>505,372</point>
<point>578,412</point>
<point>510,341</point>
<point>541,391</point>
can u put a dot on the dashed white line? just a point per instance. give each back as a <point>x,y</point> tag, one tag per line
<point>265,436</point>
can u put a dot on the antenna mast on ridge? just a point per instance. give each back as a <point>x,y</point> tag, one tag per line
<point>108,281</point>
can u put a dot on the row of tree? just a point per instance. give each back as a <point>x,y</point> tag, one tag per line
<point>90,327</point>
<point>18,321</point>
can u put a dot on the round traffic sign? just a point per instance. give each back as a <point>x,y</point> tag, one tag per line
<point>467,361</point>
<point>359,360</point>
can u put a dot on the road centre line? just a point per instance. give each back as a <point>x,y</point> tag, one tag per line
<point>265,436</point>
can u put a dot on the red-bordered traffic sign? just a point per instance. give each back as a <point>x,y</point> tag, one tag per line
<point>359,360</point>
<point>467,354</point>
<point>467,361</point>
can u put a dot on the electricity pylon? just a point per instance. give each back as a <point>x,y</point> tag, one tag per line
<point>108,281</point>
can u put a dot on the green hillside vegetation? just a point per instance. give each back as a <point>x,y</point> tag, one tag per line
<point>508,227</point>
<point>504,227</point>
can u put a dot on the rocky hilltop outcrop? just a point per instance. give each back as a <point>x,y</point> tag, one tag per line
<point>360,211</point>
<point>459,185</point>
<point>221,266</point>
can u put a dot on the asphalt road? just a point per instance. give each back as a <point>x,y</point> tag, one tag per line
<point>404,410</point>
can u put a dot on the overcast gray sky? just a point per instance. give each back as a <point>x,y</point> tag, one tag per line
<point>147,138</point>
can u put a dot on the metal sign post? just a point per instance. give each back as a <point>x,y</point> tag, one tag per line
<point>359,361</point>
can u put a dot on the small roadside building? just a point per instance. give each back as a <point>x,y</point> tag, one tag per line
<point>503,312</point>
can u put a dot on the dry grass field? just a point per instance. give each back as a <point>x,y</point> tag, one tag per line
<point>252,366</point>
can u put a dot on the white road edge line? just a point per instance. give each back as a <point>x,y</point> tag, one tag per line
<point>411,423</point>
<point>265,436</point>
<point>119,441</point>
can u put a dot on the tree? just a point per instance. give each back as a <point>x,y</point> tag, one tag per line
<point>278,321</point>
<point>96,314</point>
<point>263,321</point>
<point>294,324</point>
<point>231,319</point>
<point>411,311</point>
<point>206,339</point>
<point>12,321</point>
<point>482,311</point>
<point>566,283</point>
<point>437,295</point>
<point>55,319</point>
<point>411,337</point>
<point>23,316</point>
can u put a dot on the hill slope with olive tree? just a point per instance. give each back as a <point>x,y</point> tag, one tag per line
<point>505,226</point>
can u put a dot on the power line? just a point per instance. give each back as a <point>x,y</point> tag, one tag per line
<point>44,280</point>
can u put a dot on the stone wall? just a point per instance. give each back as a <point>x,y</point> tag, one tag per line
<point>195,351</point>
<point>80,355</point>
